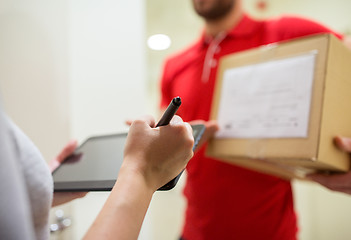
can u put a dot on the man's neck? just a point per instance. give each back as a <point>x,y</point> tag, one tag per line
<point>225,24</point>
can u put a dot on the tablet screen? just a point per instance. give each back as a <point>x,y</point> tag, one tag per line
<point>95,164</point>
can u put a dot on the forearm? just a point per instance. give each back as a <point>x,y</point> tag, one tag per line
<point>124,211</point>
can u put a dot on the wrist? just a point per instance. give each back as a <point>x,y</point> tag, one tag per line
<point>125,208</point>
<point>133,174</point>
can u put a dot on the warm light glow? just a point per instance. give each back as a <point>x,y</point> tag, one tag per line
<point>159,42</point>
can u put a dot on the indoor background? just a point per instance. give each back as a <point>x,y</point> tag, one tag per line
<point>77,68</point>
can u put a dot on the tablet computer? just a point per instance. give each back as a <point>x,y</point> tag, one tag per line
<point>95,164</point>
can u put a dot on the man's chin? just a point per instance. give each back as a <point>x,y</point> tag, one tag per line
<point>212,10</point>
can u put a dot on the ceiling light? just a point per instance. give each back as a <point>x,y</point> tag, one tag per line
<point>159,42</point>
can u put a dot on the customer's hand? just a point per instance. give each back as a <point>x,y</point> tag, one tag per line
<point>158,154</point>
<point>211,127</point>
<point>64,197</point>
<point>340,182</point>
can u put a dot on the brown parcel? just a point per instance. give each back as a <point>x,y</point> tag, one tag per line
<point>330,113</point>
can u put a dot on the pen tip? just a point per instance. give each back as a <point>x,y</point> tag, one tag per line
<point>177,101</point>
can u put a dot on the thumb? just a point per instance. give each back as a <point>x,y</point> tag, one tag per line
<point>343,143</point>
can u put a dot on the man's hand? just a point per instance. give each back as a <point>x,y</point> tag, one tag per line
<point>211,127</point>
<point>340,182</point>
<point>64,197</point>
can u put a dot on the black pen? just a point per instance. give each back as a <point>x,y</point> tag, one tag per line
<point>170,111</point>
<point>165,119</point>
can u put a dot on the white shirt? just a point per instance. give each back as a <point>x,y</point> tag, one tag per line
<point>26,186</point>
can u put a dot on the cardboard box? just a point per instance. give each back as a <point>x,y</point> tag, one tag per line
<point>324,112</point>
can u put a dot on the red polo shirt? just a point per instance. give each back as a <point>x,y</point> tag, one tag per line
<point>225,201</point>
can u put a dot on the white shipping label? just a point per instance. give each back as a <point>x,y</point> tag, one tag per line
<point>267,100</point>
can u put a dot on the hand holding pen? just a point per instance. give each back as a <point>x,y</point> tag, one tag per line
<point>165,119</point>
<point>166,149</point>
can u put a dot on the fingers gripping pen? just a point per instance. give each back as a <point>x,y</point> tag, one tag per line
<point>170,112</point>
<point>165,119</point>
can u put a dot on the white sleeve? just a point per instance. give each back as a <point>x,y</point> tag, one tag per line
<point>15,212</point>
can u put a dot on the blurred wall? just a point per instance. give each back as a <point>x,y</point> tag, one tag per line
<point>34,69</point>
<point>34,73</point>
<point>72,69</point>
<point>108,79</point>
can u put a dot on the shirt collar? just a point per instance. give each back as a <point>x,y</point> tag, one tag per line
<point>245,27</point>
